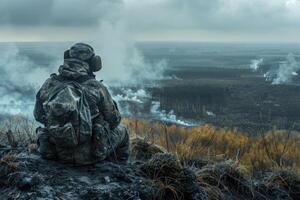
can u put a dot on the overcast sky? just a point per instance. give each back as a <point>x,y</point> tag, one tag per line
<point>154,20</point>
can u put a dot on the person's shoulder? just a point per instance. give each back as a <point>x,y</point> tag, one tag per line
<point>95,83</point>
<point>52,80</point>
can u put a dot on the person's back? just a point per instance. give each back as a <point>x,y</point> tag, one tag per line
<point>81,120</point>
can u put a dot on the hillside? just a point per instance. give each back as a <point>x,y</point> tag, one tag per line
<point>151,173</point>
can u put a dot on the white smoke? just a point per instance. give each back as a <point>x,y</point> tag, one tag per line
<point>138,96</point>
<point>20,69</point>
<point>124,65</point>
<point>123,62</point>
<point>139,103</point>
<point>285,73</point>
<point>255,64</point>
<point>20,78</point>
<point>167,116</point>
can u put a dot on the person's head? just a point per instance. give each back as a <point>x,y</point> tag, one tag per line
<point>84,52</point>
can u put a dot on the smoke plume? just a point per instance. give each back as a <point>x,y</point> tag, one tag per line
<point>20,78</point>
<point>285,72</point>
<point>255,64</point>
<point>139,103</point>
<point>167,116</point>
<point>123,62</point>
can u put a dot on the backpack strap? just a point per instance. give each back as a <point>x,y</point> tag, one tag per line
<point>78,80</point>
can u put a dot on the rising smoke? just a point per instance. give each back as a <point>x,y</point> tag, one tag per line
<point>123,66</point>
<point>255,64</point>
<point>20,78</point>
<point>285,72</point>
<point>167,116</point>
<point>123,62</point>
<point>139,103</point>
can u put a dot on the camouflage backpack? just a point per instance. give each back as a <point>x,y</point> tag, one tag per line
<point>68,115</point>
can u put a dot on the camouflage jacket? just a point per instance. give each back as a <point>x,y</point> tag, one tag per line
<point>100,101</point>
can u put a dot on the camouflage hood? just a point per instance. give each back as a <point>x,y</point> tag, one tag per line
<point>74,68</point>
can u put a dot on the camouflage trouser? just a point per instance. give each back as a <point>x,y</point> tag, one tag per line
<point>118,144</point>
<point>112,145</point>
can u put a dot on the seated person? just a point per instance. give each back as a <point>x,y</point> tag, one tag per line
<point>81,120</point>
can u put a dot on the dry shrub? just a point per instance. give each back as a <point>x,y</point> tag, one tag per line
<point>142,150</point>
<point>285,182</point>
<point>205,144</point>
<point>274,150</point>
<point>173,181</point>
<point>33,148</point>
<point>20,129</point>
<point>213,192</point>
<point>8,164</point>
<point>167,190</point>
<point>162,166</point>
<point>227,176</point>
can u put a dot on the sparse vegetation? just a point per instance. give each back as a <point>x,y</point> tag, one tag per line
<point>210,163</point>
<point>274,150</point>
<point>8,164</point>
<point>17,130</point>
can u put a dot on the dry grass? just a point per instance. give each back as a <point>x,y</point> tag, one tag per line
<point>171,178</point>
<point>213,192</point>
<point>274,150</point>
<point>17,130</point>
<point>284,181</point>
<point>227,163</point>
<point>8,164</point>
<point>228,177</point>
<point>143,150</point>
<point>167,190</point>
<point>211,163</point>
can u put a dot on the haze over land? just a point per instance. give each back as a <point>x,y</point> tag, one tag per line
<point>208,89</point>
<point>245,32</point>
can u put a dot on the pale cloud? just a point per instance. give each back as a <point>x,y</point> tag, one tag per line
<point>57,12</point>
<point>183,18</point>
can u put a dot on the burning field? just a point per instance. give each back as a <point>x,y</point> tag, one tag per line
<point>231,98</point>
<point>205,124</point>
<point>254,88</point>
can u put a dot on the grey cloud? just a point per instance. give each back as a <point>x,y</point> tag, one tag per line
<point>56,12</point>
<point>231,15</point>
<point>237,16</point>
<point>24,12</point>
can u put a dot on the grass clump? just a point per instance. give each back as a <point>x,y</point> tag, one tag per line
<point>227,176</point>
<point>8,164</point>
<point>284,182</point>
<point>142,150</point>
<point>173,180</point>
